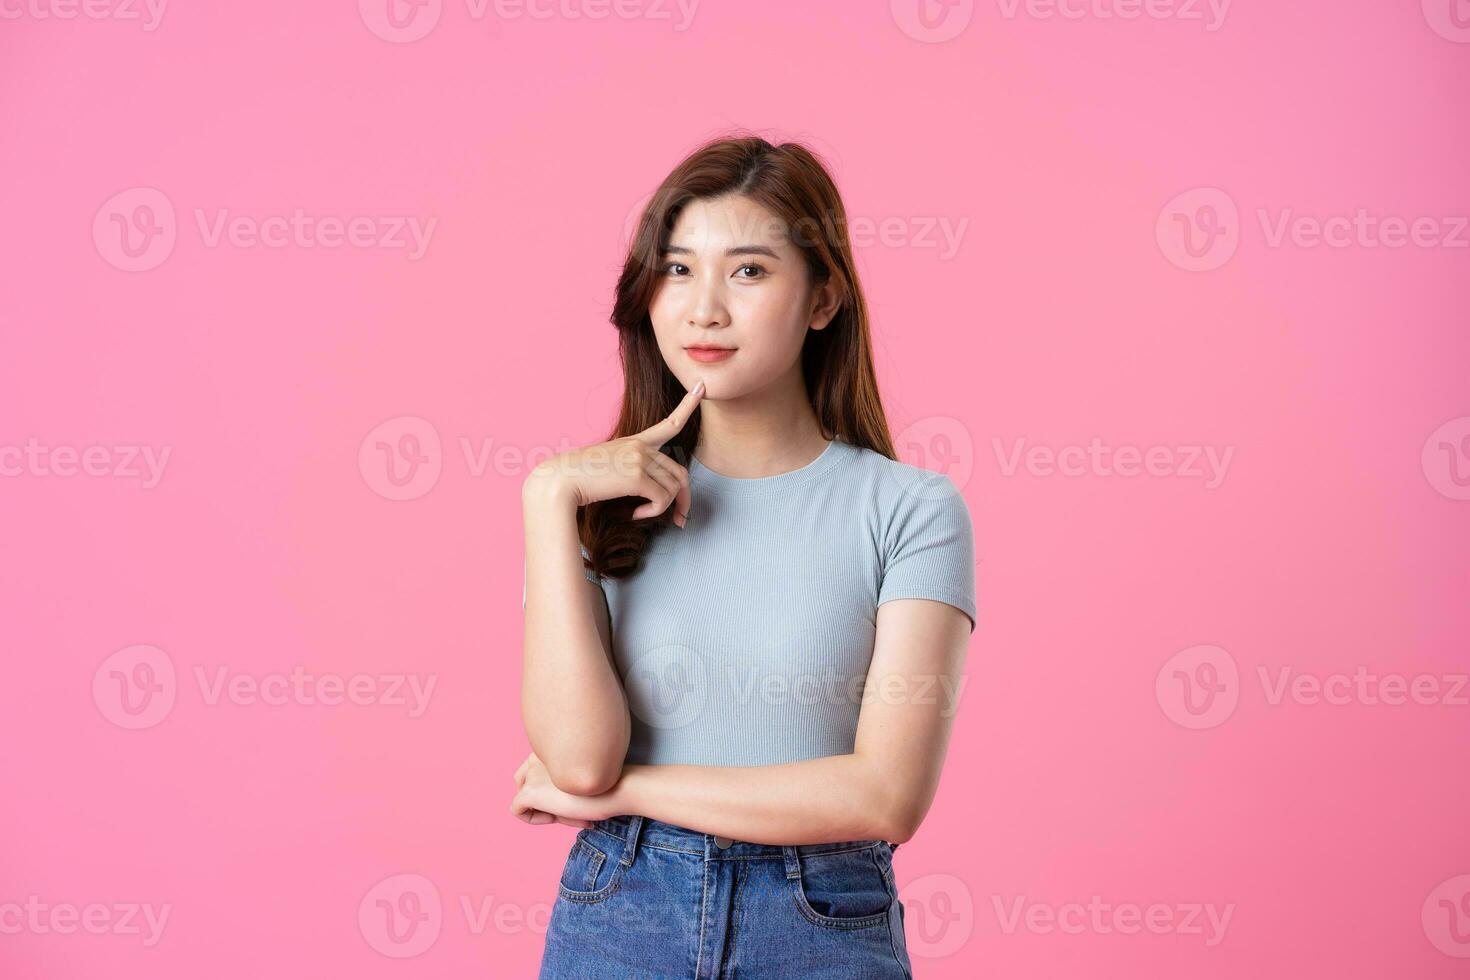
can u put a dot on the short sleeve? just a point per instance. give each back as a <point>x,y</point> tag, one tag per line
<point>587,573</point>
<point>929,547</point>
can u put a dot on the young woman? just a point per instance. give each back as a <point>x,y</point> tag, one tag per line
<point>745,619</point>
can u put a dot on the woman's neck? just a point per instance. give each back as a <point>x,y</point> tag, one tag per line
<point>737,442</point>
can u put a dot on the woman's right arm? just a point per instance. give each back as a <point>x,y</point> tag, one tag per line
<point>572,702</point>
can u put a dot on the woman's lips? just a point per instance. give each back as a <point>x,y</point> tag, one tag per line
<point>708,355</point>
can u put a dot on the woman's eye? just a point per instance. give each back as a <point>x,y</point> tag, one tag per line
<point>679,269</point>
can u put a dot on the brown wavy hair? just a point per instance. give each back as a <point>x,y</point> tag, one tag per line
<point>792,183</point>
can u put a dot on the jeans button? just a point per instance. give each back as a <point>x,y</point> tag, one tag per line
<point>723,842</point>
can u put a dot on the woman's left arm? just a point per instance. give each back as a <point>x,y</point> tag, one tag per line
<point>882,790</point>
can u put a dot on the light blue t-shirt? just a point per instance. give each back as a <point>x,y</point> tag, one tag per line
<point>744,638</point>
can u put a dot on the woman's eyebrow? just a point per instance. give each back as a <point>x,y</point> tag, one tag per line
<point>734,250</point>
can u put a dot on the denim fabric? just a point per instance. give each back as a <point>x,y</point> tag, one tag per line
<point>640,898</point>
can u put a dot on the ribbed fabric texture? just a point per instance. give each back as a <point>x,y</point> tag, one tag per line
<point>744,638</point>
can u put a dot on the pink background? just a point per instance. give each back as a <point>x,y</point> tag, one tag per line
<point>1082,764</point>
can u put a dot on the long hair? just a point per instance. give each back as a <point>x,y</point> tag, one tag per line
<point>837,362</point>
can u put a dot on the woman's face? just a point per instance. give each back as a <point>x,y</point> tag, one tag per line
<point>732,278</point>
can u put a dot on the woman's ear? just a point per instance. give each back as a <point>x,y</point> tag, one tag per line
<point>825,304</point>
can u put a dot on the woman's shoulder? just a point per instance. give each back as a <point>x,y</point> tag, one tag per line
<point>896,484</point>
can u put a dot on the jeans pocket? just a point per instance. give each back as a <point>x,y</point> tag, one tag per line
<point>590,874</point>
<point>843,889</point>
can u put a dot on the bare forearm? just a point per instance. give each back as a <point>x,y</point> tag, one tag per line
<point>572,702</point>
<point>816,801</point>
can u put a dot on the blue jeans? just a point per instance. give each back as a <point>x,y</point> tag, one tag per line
<point>640,898</point>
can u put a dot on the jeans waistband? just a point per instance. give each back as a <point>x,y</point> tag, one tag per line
<point>636,830</point>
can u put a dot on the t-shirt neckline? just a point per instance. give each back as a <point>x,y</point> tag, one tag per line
<point>707,478</point>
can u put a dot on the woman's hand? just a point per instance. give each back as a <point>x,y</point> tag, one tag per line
<point>631,466</point>
<point>538,801</point>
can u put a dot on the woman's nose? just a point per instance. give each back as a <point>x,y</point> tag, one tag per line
<point>707,305</point>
